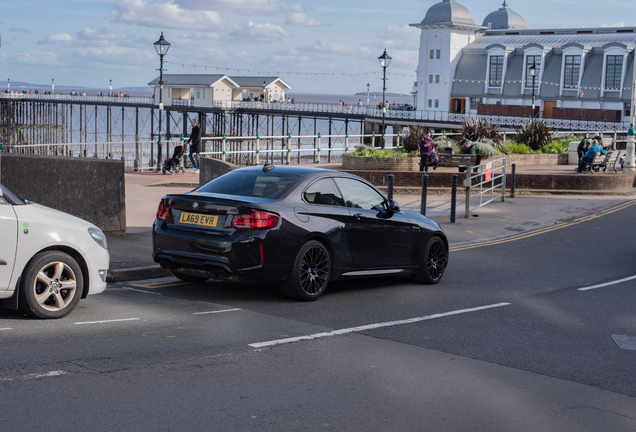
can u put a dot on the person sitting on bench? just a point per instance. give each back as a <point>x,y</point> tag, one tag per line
<point>589,156</point>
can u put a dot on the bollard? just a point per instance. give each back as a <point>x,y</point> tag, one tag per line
<point>391,178</point>
<point>512,183</point>
<point>424,192</point>
<point>453,197</point>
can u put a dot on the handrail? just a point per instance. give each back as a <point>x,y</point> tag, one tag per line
<point>487,178</point>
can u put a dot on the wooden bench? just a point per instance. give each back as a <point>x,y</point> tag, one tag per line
<point>600,161</point>
<point>460,161</point>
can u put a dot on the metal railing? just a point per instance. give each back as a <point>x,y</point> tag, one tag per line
<point>485,179</point>
<point>392,113</point>
<point>243,150</point>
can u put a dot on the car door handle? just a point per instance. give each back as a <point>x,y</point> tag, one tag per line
<point>359,216</point>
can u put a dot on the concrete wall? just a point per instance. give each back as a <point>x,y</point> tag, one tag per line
<point>88,188</point>
<point>213,168</point>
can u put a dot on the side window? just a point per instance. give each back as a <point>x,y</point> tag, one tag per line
<point>324,192</point>
<point>359,195</point>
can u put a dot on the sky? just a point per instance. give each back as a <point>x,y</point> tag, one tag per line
<point>326,46</point>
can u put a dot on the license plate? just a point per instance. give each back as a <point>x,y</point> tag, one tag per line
<point>198,219</point>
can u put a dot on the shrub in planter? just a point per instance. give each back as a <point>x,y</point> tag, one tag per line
<point>411,138</point>
<point>484,149</point>
<point>535,134</point>
<point>475,130</point>
<point>511,147</point>
<point>440,144</point>
<point>562,145</point>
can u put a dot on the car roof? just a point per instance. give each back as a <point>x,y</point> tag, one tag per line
<point>297,170</point>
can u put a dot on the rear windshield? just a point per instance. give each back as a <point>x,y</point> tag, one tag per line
<point>251,184</point>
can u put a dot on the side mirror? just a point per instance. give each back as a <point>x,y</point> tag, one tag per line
<point>394,206</point>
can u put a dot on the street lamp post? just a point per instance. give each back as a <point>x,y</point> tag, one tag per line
<point>162,46</point>
<point>264,91</point>
<point>8,85</point>
<point>629,163</point>
<point>533,72</point>
<point>368,87</point>
<point>385,61</point>
<point>110,88</point>
<point>53,85</point>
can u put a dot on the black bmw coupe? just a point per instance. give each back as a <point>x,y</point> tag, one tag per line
<point>302,227</point>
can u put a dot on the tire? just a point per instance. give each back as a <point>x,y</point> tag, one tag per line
<point>188,278</point>
<point>433,262</point>
<point>51,286</point>
<point>310,273</point>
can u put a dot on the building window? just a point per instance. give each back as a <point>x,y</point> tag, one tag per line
<point>198,94</point>
<point>439,54</point>
<point>474,103</point>
<point>203,94</point>
<point>436,103</point>
<point>613,72</point>
<point>628,109</point>
<point>430,103</point>
<point>496,71</point>
<point>572,70</point>
<point>436,79</point>
<point>536,61</point>
<point>430,79</point>
<point>432,54</point>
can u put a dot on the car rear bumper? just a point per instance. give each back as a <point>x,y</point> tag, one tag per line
<point>242,255</point>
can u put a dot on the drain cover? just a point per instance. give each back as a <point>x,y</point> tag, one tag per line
<point>625,342</point>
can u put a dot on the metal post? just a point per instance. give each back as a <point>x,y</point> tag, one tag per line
<point>453,197</point>
<point>391,179</point>
<point>512,182</point>
<point>503,182</point>
<point>317,152</point>
<point>467,185</point>
<point>160,110</point>
<point>289,138</point>
<point>258,146</point>
<point>223,147</point>
<point>424,193</point>
<point>383,105</point>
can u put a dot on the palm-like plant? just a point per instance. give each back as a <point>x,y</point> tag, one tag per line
<point>478,129</point>
<point>535,134</point>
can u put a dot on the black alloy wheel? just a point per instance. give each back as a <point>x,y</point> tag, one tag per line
<point>433,263</point>
<point>309,276</point>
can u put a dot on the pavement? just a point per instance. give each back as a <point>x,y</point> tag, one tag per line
<point>131,255</point>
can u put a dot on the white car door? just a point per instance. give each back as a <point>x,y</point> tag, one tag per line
<point>9,243</point>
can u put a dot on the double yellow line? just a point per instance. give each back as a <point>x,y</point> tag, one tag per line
<point>543,230</point>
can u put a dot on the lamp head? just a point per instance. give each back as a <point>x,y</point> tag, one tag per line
<point>385,59</point>
<point>533,69</point>
<point>162,45</point>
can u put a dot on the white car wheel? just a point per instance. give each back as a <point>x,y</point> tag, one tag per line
<point>51,285</point>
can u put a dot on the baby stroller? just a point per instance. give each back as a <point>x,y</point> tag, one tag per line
<point>175,163</point>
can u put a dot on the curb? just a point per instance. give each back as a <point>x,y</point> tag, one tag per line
<point>136,273</point>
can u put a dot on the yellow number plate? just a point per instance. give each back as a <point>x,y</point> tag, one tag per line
<point>198,219</point>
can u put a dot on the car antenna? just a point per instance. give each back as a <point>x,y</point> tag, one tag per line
<point>268,167</point>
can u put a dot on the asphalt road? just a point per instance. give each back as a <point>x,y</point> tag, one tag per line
<point>513,338</point>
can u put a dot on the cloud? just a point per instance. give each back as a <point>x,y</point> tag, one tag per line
<point>63,39</point>
<point>255,32</point>
<point>112,54</point>
<point>19,30</point>
<point>325,47</point>
<point>301,18</point>
<point>167,14</point>
<point>100,34</point>
<point>246,7</point>
<point>400,37</point>
<point>37,57</point>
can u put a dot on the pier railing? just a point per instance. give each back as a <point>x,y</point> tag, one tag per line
<point>241,150</point>
<point>369,111</point>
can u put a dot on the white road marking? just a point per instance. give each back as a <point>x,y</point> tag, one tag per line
<point>44,375</point>
<point>107,321</point>
<point>608,283</point>
<point>8,328</point>
<point>373,326</point>
<point>213,312</point>
<point>142,291</point>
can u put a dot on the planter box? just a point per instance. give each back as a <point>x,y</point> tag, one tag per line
<point>350,162</point>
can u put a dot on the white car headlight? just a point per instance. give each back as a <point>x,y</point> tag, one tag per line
<point>98,236</point>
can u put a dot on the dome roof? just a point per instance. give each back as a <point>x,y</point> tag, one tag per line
<point>504,18</point>
<point>448,12</point>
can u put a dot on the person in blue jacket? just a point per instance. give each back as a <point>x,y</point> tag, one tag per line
<point>594,148</point>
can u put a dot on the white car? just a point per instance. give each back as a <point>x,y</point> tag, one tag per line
<point>48,258</point>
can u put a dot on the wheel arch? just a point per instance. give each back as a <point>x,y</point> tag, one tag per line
<point>78,258</point>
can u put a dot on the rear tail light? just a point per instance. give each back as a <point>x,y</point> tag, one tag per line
<point>162,212</point>
<point>255,219</point>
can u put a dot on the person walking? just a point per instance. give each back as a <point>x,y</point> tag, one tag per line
<point>195,147</point>
<point>426,149</point>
